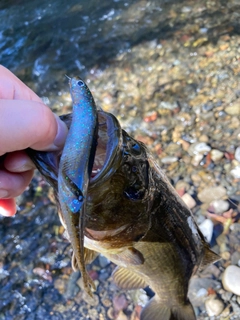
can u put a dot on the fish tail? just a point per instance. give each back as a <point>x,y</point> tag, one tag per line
<point>157,310</point>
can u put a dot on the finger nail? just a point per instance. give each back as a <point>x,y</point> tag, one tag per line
<point>61,135</point>
<point>3,193</point>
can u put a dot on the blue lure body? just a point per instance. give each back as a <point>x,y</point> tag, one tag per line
<point>75,168</point>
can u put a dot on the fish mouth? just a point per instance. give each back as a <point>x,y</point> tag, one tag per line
<point>108,152</point>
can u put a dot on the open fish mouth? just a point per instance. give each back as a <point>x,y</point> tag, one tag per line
<point>108,153</point>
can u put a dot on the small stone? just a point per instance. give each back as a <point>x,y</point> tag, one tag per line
<point>216,155</point>
<point>198,288</point>
<point>220,206</point>
<point>234,109</point>
<point>189,201</point>
<point>203,138</point>
<point>237,154</point>
<point>226,255</point>
<point>169,160</point>
<point>103,261</point>
<point>235,258</point>
<point>214,307</point>
<point>226,312</point>
<point>236,172</point>
<point>210,194</point>
<point>207,229</point>
<point>199,148</point>
<point>120,302</point>
<point>231,279</point>
<point>197,159</point>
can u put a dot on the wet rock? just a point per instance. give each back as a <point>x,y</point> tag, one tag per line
<point>169,160</point>
<point>231,279</point>
<point>214,307</point>
<point>235,258</point>
<point>236,172</point>
<point>220,206</point>
<point>189,201</point>
<point>237,154</point>
<point>198,289</point>
<point>207,229</point>
<point>120,302</point>
<point>236,309</point>
<point>103,261</point>
<point>199,148</point>
<point>216,155</point>
<point>234,109</point>
<point>210,194</point>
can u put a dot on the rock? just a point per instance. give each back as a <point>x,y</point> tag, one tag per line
<point>235,258</point>
<point>237,154</point>
<point>210,194</point>
<point>168,160</point>
<point>198,288</point>
<point>236,172</point>
<point>214,307</point>
<point>231,279</point>
<point>199,148</point>
<point>189,201</point>
<point>103,261</point>
<point>207,229</point>
<point>216,155</point>
<point>234,109</point>
<point>197,159</point>
<point>120,302</point>
<point>220,206</point>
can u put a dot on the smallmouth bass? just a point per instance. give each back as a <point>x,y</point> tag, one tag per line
<point>110,189</point>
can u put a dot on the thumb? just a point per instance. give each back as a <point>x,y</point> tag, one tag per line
<point>28,123</point>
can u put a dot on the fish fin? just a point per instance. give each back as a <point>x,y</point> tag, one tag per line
<point>157,310</point>
<point>208,257</point>
<point>89,255</point>
<point>74,263</point>
<point>130,256</point>
<point>127,279</point>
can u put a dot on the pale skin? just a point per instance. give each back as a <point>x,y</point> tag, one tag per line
<point>24,122</point>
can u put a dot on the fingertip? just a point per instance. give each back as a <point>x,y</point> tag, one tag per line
<point>8,207</point>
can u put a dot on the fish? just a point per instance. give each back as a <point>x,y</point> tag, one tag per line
<point>129,212</point>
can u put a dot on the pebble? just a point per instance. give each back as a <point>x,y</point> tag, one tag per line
<point>237,154</point>
<point>231,279</point>
<point>236,172</point>
<point>220,206</point>
<point>214,307</point>
<point>210,194</point>
<point>235,257</point>
<point>199,148</point>
<point>169,160</point>
<point>189,201</point>
<point>216,155</point>
<point>103,261</point>
<point>207,229</point>
<point>198,289</point>
<point>197,159</point>
<point>234,109</point>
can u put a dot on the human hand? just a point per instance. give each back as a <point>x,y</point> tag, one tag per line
<point>24,122</point>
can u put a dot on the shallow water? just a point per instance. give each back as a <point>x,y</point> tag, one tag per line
<point>170,71</point>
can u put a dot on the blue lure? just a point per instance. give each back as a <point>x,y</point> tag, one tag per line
<point>75,169</point>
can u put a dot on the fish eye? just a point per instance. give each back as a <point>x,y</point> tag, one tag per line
<point>80,83</point>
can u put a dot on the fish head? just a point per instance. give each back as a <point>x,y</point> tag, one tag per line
<point>118,193</point>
